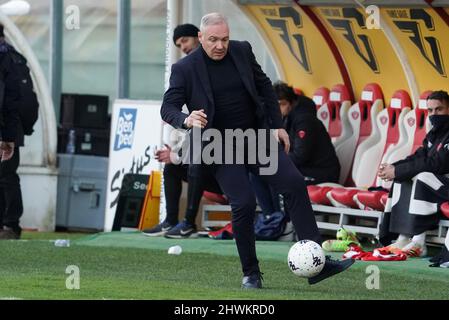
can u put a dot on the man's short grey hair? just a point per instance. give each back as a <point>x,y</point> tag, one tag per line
<point>212,19</point>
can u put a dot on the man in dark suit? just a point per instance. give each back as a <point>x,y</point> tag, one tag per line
<point>224,88</point>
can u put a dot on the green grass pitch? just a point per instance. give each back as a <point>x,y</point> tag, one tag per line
<point>130,266</point>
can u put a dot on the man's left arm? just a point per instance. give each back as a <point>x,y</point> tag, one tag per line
<point>174,99</point>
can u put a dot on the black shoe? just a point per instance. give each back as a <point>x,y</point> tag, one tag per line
<point>9,234</point>
<point>441,260</point>
<point>182,230</point>
<point>159,230</point>
<point>436,259</point>
<point>331,268</point>
<point>253,281</point>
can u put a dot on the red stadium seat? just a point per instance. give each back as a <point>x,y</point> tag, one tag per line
<point>334,114</point>
<point>421,117</point>
<point>372,200</point>
<point>415,131</point>
<point>445,209</point>
<point>388,122</point>
<point>317,195</point>
<point>344,197</point>
<point>362,118</point>
<point>217,198</point>
<point>321,97</point>
<point>412,133</point>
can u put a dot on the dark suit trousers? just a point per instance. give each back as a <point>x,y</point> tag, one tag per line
<point>234,181</point>
<point>11,206</point>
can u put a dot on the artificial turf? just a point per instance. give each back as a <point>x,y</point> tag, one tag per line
<point>130,266</point>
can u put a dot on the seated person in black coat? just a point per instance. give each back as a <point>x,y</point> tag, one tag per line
<point>312,150</point>
<point>420,186</point>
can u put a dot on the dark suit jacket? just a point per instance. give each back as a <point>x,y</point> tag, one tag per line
<point>190,85</point>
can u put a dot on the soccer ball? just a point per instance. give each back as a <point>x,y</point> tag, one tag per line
<point>306,259</point>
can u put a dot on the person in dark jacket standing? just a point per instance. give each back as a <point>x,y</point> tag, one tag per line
<point>11,137</point>
<point>420,185</point>
<point>225,89</point>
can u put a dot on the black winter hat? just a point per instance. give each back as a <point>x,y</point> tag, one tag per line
<point>185,30</point>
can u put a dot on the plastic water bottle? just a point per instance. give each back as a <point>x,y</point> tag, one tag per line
<point>70,149</point>
<point>62,243</point>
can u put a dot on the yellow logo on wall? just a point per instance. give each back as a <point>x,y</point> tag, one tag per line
<point>279,19</point>
<point>343,20</point>
<point>420,28</point>
<point>304,55</point>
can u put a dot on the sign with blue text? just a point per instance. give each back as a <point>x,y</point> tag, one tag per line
<point>136,134</point>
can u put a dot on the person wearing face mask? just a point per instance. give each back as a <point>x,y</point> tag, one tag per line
<point>420,186</point>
